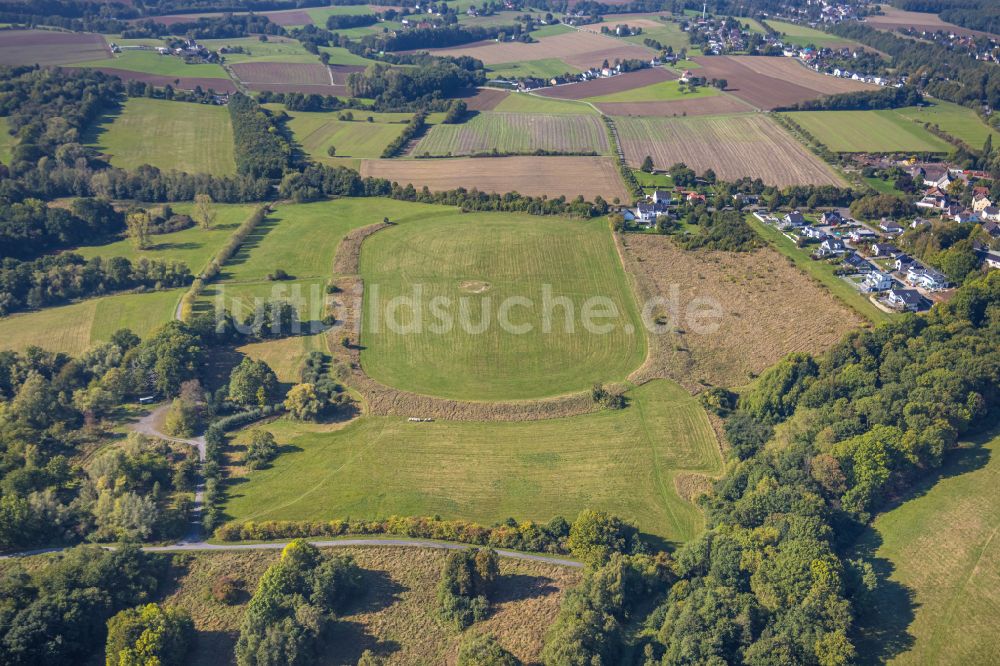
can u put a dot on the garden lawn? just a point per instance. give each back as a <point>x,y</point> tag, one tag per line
<point>77,327</point>
<point>151,62</point>
<point>959,121</point>
<point>665,91</point>
<point>477,262</point>
<point>544,68</point>
<point>196,138</point>
<point>194,246</point>
<point>943,557</point>
<point>623,461</point>
<point>528,103</point>
<point>869,131</point>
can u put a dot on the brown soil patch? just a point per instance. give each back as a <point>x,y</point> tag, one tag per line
<point>529,175</point>
<point>579,49</point>
<point>395,614</point>
<point>475,286</point>
<point>706,106</point>
<point>691,486</point>
<point>610,85</point>
<point>897,19</point>
<point>483,99</point>
<point>767,82</point>
<point>304,88</point>
<point>339,73</point>
<point>184,83</point>
<point>282,72</point>
<point>49,47</point>
<point>769,309</point>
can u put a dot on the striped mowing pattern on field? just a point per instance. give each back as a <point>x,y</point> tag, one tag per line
<point>517,133</point>
<point>733,146</point>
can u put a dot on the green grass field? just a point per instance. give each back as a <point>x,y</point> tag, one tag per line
<point>194,246</point>
<point>622,461</point>
<point>479,261</point>
<point>6,142</point>
<point>819,270</point>
<point>275,49</point>
<point>151,62</point>
<point>668,35</point>
<point>941,548</point>
<point>527,103</point>
<point>77,327</point>
<point>196,138</point>
<point>959,121</point>
<point>544,68</point>
<point>665,91</point>
<point>517,133</point>
<point>803,35</point>
<point>356,139</point>
<point>341,56</point>
<point>869,131</point>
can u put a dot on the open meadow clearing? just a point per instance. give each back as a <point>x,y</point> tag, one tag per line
<point>77,327</point>
<point>940,551</point>
<point>578,49</point>
<point>772,82</point>
<point>275,49</point>
<point>351,139</point>
<point>395,615</point>
<point>733,146</point>
<point>543,68</point>
<point>477,262</point>
<point>869,131</point>
<point>49,47</point>
<point>531,175</point>
<point>193,246</point>
<point>522,133</point>
<point>623,461</point>
<point>197,138</point>
<point>960,122</point>
<point>151,62</point>
<point>665,91</point>
<point>803,35</point>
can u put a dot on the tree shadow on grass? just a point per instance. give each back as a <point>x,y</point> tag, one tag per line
<point>519,587</point>
<point>347,639</point>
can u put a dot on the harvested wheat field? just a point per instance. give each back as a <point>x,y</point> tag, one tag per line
<point>516,133</point>
<point>48,47</point>
<point>898,19</point>
<point>610,85</point>
<point>394,616</point>
<point>733,146</point>
<point>768,308</point>
<point>769,83</point>
<point>703,106</point>
<point>578,49</point>
<point>530,175</point>
<point>611,20</point>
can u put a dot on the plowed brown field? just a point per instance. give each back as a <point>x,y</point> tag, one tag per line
<point>768,82</point>
<point>610,85</point>
<point>535,176</point>
<point>184,83</point>
<point>733,146</point>
<point>48,47</point>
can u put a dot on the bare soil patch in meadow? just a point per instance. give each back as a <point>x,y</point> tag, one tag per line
<point>610,85</point>
<point>578,49</point>
<point>705,106</point>
<point>768,82</point>
<point>529,175</point>
<point>49,47</point>
<point>184,83</point>
<point>769,309</point>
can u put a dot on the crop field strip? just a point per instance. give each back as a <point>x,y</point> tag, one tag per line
<point>49,47</point>
<point>150,67</point>
<point>351,139</point>
<point>516,133</point>
<point>578,49</point>
<point>623,461</point>
<point>869,131</point>
<point>528,175</point>
<point>733,146</point>
<point>509,256</point>
<point>609,85</point>
<point>665,91</point>
<point>767,82</point>
<point>522,102</point>
<point>197,138</point>
<point>699,106</point>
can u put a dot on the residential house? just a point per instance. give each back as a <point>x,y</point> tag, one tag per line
<point>980,202</point>
<point>647,212</point>
<point>966,216</point>
<point>884,250</point>
<point>934,201</point>
<point>857,262</point>
<point>794,219</point>
<point>928,278</point>
<point>990,215</point>
<point>659,196</point>
<point>831,247</point>
<point>814,232</point>
<point>908,300</point>
<point>992,227</point>
<point>831,218</point>
<point>694,196</point>
<point>989,257</point>
<point>862,235</point>
<point>878,281</point>
<point>904,263</point>
<point>890,227</point>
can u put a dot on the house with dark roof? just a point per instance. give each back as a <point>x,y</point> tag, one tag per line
<point>884,250</point>
<point>928,278</point>
<point>830,247</point>
<point>907,300</point>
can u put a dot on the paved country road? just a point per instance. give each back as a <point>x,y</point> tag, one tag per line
<point>201,546</point>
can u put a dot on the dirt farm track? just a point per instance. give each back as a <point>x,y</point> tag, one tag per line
<point>534,176</point>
